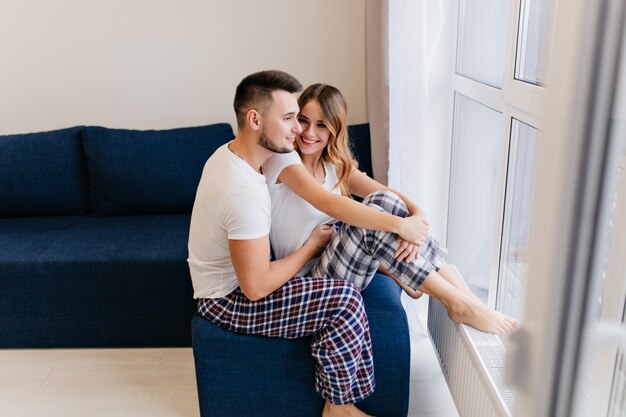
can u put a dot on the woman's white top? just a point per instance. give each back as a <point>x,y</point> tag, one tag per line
<point>293,218</point>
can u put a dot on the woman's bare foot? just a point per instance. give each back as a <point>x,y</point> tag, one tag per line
<point>465,307</point>
<point>348,410</point>
<point>470,310</point>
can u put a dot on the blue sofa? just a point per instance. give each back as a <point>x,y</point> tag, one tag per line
<point>93,235</point>
<point>93,245</point>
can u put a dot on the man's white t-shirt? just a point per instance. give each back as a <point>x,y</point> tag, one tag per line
<point>293,218</point>
<point>232,202</point>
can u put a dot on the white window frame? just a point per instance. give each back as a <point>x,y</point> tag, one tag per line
<point>515,100</point>
<point>547,354</point>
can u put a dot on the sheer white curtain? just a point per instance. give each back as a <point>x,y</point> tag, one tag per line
<point>410,52</point>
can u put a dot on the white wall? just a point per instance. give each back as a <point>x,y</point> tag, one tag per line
<point>153,64</point>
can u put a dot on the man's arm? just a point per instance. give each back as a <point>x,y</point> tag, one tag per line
<point>257,276</point>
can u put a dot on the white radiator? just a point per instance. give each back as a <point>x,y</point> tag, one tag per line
<point>473,363</point>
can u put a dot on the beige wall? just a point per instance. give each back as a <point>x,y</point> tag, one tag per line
<point>153,64</point>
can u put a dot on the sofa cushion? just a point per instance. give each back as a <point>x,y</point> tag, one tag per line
<point>148,172</point>
<point>361,147</point>
<point>83,281</point>
<point>42,174</point>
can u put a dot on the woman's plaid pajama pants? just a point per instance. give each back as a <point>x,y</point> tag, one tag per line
<point>354,253</point>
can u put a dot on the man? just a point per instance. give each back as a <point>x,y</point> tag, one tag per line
<point>237,286</point>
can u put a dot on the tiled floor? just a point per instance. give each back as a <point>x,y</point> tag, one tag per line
<point>156,382</point>
<point>97,382</point>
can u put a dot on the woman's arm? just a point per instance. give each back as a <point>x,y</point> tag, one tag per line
<point>349,211</point>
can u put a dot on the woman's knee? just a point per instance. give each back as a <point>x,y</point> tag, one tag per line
<point>388,201</point>
<point>381,195</point>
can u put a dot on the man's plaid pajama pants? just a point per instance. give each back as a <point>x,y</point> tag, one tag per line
<point>329,309</point>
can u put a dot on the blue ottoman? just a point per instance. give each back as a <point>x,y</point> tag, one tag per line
<point>244,376</point>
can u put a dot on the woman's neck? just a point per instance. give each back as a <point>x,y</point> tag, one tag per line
<point>311,161</point>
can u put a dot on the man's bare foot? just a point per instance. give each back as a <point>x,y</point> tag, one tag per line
<point>348,410</point>
<point>470,310</point>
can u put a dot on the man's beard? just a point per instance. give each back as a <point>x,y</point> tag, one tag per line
<point>265,142</point>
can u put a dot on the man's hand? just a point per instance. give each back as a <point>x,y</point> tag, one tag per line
<point>320,236</point>
<point>414,229</point>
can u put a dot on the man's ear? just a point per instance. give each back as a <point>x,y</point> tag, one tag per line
<point>253,118</point>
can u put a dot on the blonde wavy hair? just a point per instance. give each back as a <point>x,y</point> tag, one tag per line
<point>334,115</point>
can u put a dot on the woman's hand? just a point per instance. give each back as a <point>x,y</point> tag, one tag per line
<point>414,229</point>
<point>320,236</point>
<point>407,251</point>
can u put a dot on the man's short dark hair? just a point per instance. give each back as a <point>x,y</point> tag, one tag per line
<point>255,91</point>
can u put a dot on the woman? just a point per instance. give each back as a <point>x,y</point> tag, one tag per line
<point>312,187</point>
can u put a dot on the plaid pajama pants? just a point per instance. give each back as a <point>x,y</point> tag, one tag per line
<point>354,253</point>
<point>329,309</point>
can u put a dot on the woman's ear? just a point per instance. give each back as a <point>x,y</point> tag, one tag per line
<point>253,118</point>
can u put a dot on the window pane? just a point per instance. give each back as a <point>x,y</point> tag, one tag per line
<point>614,267</point>
<point>530,62</point>
<point>613,271</point>
<point>617,402</point>
<point>607,386</point>
<point>517,218</point>
<point>481,52</point>
<point>475,174</point>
